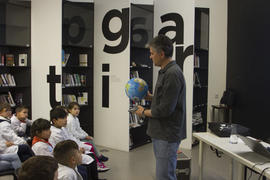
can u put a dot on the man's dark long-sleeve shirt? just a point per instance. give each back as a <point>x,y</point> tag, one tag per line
<point>168,107</point>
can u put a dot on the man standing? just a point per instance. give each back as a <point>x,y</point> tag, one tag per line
<point>167,122</point>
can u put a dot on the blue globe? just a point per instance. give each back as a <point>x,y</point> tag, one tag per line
<point>136,89</point>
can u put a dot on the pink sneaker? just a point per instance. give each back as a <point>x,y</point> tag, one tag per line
<point>101,167</point>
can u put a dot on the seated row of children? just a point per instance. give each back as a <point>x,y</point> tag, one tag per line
<point>64,166</point>
<point>45,137</point>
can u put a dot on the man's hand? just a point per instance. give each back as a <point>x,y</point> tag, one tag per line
<point>8,143</point>
<point>89,138</point>
<point>139,111</point>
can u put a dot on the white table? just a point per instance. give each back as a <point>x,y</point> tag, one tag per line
<point>239,152</point>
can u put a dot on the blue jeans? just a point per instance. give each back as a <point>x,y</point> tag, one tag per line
<point>9,161</point>
<point>166,158</point>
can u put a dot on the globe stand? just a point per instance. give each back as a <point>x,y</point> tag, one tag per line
<point>133,110</point>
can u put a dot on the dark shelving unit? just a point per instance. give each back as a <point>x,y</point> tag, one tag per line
<point>15,40</point>
<point>139,56</point>
<point>200,87</point>
<point>78,40</point>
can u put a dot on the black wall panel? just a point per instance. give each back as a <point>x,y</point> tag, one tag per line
<point>248,64</point>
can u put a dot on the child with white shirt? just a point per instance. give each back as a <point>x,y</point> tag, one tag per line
<point>58,117</point>
<point>20,122</point>
<point>9,141</point>
<point>40,133</point>
<point>68,156</point>
<point>74,127</point>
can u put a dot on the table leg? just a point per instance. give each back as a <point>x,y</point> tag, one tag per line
<point>230,176</point>
<point>201,160</point>
<point>241,171</point>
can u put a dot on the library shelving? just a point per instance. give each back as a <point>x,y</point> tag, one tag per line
<point>15,53</point>
<point>200,78</point>
<point>140,66</point>
<point>77,59</point>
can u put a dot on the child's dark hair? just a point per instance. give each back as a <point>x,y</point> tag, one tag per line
<point>38,126</point>
<point>5,106</point>
<point>20,108</point>
<point>38,167</point>
<point>72,104</point>
<point>58,112</point>
<point>64,150</point>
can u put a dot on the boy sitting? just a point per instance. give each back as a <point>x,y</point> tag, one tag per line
<point>68,156</point>
<point>10,142</point>
<point>20,122</point>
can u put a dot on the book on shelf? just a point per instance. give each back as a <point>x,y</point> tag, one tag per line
<point>77,79</point>
<point>10,60</point>
<point>83,60</point>
<point>22,59</point>
<point>4,80</point>
<point>83,98</point>
<point>65,59</point>
<point>83,80</point>
<point>12,103</point>
<point>2,59</point>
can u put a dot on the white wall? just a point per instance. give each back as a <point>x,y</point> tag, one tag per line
<point>111,125</point>
<point>186,9</point>
<point>46,43</point>
<point>217,49</point>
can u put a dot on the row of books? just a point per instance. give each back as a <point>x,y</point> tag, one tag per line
<point>81,99</point>
<point>7,98</point>
<point>7,80</point>
<point>9,60</point>
<point>70,80</point>
<point>83,59</point>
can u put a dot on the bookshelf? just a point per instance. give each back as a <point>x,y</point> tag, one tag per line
<point>77,60</point>
<point>15,53</point>
<point>15,80</point>
<point>140,65</point>
<point>200,78</point>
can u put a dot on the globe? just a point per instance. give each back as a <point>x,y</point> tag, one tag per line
<point>136,89</point>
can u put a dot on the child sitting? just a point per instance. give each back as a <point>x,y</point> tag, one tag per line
<point>20,122</point>
<point>40,133</point>
<point>59,120</point>
<point>68,156</point>
<point>10,142</point>
<point>39,168</point>
<point>74,128</point>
